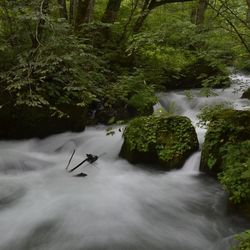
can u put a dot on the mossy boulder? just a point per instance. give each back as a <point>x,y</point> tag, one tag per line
<point>246,94</point>
<point>162,140</point>
<point>235,176</point>
<point>226,127</point>
<point>225,155</point>
<point>197,74</point>
<point>18,122</point>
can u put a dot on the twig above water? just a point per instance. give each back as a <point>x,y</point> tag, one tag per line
<point>70,159</point>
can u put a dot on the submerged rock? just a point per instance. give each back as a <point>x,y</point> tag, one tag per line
<point>164,140</point>
<point>246,94</point>
<point>14,162</point>
<point>10,191</point>
<point>42,236</point>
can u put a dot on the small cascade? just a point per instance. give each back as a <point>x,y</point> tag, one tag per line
<point>192,163</point>
<point>190,105</point>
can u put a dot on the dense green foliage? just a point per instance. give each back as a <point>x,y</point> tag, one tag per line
<point>133,91</point>
<point>61,69</point>
<point>236,172</point>
<point>226,127</point>
<point>49,58</point>
<point>244,241</point>
<point>173,59</point>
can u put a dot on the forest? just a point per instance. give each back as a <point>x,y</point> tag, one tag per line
<point>168,74</point>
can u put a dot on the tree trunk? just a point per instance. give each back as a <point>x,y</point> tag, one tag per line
<point>132,12</point>
<point>71,11</point>
<point>62,9</point>
<point>193,14</point>
<point>89,11</point>
<point>200,12</point>
<point>111,11</point>
<point>83,12</point>
<point>139,22</point>
<point>43,11</point>
<point>248,12</point>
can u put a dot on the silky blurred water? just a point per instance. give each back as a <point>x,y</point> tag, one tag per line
<point>118,205</point>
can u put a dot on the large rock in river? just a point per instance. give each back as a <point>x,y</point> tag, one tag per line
<point>226,127</point>
<point>225,155</point>
<point>164,140</point>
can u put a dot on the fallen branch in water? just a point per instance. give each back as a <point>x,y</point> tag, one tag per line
<point>70,159</point>
<point>90,158</point>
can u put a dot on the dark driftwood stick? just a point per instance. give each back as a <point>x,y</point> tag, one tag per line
<point>77,166</point>
<point>87,159</point>
<point>70,159</point>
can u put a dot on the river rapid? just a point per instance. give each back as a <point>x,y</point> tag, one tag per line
<point>117,205</point>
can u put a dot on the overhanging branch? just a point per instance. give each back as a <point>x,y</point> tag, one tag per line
<point>156,3</point>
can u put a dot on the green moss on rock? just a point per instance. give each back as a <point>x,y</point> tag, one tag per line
<point>164,140</point>
<point>225,154</point>
<point>235,176</point>
<point>226,127</point>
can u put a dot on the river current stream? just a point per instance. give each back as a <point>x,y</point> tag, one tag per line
<point>117,205</point>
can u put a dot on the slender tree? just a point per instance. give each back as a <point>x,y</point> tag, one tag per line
<point>200,12</point>
<point>248,12</point>
<point>43,11</point>
<point>71,10</point>
<point>62,9</point>
<point>134,5</point>
<point>226,13</point>
<point>89,11</point>
<point>111,11</point>
<point>82,12</point>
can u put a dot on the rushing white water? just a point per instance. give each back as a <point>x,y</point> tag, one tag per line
<point>118,205</point>
<point>191,104</point>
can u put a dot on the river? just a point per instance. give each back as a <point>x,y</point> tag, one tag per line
<point>117,206</point>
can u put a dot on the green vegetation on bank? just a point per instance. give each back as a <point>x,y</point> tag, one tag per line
<point>225,154</point>
<point>243,241</point>
<point>225,151</point>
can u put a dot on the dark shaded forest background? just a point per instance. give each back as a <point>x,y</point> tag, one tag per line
<point>68,59</point>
